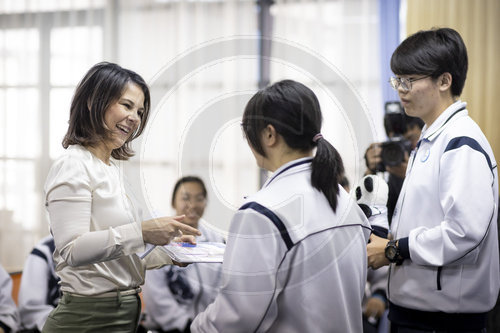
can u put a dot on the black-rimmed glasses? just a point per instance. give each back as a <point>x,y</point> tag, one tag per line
<point>404,83</point>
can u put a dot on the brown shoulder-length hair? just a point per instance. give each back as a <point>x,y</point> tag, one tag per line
<point>103,85</point>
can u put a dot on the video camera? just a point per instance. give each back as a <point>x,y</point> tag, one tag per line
<point>395,123</point>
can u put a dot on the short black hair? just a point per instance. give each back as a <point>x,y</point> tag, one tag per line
<point>103,85</point>
<point>188,179</point>
<point>433,52</point>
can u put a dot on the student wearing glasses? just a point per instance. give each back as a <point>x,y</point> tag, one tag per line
<point>443,253</point>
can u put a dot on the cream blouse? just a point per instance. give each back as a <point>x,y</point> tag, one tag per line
<point>96,228</point>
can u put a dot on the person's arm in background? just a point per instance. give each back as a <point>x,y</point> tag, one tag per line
<point>34,306</point>
<point>376,303</point>
<point>9,317</point>
<point>371,195</point>
<point>162,309</point>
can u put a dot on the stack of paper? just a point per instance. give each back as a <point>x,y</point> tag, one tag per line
<point>201,252</point>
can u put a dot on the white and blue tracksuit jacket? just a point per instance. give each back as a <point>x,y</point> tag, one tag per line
<point>9,316</point>
<point>292,264</point>
<point>175,295</point>
<point>39,290</point>
<point>446,223</point>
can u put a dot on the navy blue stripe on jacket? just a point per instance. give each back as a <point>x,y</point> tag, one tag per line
<point>274,219</point>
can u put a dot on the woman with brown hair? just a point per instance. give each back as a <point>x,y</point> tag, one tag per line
<point>96,226</point>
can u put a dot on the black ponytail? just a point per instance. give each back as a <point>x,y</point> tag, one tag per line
<point>294,111</point>
<point>327,171</point>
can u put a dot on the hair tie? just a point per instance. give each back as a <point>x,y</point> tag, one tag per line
<point>317,137</point>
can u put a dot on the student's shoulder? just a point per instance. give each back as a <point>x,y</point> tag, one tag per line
<point>464,131</point>
<point>465,125</point>
<point>210,232</point>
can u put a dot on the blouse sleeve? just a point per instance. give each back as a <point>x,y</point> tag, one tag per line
<point>69,204</point>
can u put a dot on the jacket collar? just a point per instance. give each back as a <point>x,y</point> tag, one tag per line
<point>286,167</point>
<point>453,111</point>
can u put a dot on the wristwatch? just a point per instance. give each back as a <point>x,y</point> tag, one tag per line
<point>392,251</point>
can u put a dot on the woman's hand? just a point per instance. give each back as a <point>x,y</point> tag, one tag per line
<point>185,239</point>
<point>161,230</point>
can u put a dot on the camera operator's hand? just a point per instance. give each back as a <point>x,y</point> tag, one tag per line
<point>373,158</point>
<point>399,170</point>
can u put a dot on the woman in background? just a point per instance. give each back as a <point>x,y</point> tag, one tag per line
<point>97,228</point>
<point>175,295</point>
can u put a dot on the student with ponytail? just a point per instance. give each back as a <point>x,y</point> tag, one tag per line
<point>295,259</point>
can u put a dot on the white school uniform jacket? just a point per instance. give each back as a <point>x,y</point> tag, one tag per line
<point>39,289</point>
<point>9,316</point>
<point>291,264</point>
<point>175,295</point>
<point>446,220</point>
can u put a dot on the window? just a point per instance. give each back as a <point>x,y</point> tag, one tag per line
<point>43,53</point>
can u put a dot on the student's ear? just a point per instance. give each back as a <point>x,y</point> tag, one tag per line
<point>269,136</point>
<point>444,81</point>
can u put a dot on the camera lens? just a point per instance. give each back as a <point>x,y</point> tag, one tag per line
<point>393,153</point>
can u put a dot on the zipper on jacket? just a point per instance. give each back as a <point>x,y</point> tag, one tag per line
<point>440,268</point>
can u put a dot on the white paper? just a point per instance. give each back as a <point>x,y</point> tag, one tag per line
<point>201,252</point>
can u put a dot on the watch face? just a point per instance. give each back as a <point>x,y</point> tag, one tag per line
<point>390,252</point>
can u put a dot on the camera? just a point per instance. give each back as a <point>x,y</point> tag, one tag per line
<point>393,151</point>
<point>396,123</point>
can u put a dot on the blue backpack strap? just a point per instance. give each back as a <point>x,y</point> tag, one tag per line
<point>274,219</point>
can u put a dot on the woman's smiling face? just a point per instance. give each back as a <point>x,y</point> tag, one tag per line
<point>123,117</point>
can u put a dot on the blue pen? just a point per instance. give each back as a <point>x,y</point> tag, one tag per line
<point>183,244</point>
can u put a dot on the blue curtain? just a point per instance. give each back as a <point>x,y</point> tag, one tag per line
<point>389,40</point>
